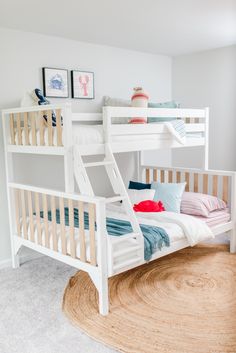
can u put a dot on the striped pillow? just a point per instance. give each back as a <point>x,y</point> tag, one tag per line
<point>198,204</point>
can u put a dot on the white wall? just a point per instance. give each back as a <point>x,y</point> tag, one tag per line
<point>117,71</point>
<point>209,79</point>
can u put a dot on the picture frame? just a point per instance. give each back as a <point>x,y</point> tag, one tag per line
<point>55,82</point>
<point>82,84</point>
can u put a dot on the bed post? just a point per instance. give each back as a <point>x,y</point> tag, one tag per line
<point>233,215</point>
<point>9,178</point>
<point>68,145</point>
<point>206,147</point>
<point>102,282</point>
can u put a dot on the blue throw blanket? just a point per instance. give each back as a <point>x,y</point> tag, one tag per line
<point>154,237</point>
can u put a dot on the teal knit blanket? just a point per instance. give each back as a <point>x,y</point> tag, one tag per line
<point>154,237</point>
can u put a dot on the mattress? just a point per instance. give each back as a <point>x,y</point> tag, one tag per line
<point>93,134</point>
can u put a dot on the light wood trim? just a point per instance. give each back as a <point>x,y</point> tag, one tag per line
<point>205,183</point>
<point>17,211</point>
<point>23,211</point>
<point>45,218</point>
<point>62,226</point>
<point>81,232</point>
<point>187,120</point>
<point>170,176</point>
<point>215,185</point>
<point>72,229</point>
<point>58,127</point>
<point>147,175</point>
<point>162,176</point>
<point>187,181</point>
<point>18,126</point>
<point>38,218</point>
<point>178,177</point>
<point>26,129</point>
<point>54,223</point>
<point>31,219</point>
<point>92,241</point>
<point>50,130</point>
<point>12,129</point>
<point>195,182</point>
<point>225,193</point>
<point>41,129</point>
<point>33,128</point>
<point>154,174</point>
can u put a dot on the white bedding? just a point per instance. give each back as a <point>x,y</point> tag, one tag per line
<point>90,134</point>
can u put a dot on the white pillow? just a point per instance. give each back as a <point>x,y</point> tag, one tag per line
<point>137,196</point>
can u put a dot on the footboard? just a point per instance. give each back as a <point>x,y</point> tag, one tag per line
<point>61,223</point>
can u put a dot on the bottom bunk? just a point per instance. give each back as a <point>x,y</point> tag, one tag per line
<point>74,228</point>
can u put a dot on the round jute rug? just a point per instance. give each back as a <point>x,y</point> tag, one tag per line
<point>181,303</point>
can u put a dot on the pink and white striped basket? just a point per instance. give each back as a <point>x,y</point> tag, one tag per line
<point>139,99</point>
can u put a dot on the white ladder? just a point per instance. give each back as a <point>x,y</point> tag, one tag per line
<point>85,187</point>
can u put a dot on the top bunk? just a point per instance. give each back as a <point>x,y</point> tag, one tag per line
<point>54,129</point>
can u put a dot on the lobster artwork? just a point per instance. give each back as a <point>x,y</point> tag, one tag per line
<point>84,80</point>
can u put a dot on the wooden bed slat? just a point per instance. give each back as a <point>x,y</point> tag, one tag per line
<point>18,126</point>
<point>147,175</point>
<point>62,226</point>
<point>170,176</point>
<point>58,127</point>
<point>45,219</point>
<point>17,211</point>
<point>162,176</point>
<point>12,129</point>
<point>92,242</point>
<point>195,182</point>
<point>23,212</point>
<point>33,129</point>
<point>225,188</point>
<point>81,232</point>
<point>50,130</point>
<point>38,218</point>
<point>54,223</point>
<point>205,183</point>
<point>187,181</point>
<point>72,229</point>
<point>41,129</point>
<point>178,177</point>
<point>215,185</point>
<point>154,174</point>
<point>31,220</point>
<point>26,129</point>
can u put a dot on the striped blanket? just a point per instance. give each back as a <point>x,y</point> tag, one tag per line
<point>177,129</point>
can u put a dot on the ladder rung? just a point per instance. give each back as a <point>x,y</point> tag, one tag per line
<point>117,239</point>
<point>97,164</point>
<point>115,199</point>
<point>126,251</point>
<point>126,263</point>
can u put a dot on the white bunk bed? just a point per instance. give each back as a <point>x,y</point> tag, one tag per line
<point>91,249</point>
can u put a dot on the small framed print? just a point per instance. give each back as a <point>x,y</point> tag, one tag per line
<point>55,83</point>
<point>82,83</point>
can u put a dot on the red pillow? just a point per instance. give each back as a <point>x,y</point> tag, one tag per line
<point>149,206</point>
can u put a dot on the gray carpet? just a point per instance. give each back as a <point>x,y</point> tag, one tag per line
<point>31,319</point>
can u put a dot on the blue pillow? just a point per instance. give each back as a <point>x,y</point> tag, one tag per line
<point>138,186</point>
<point>170,194</point>
<point>171,104</point>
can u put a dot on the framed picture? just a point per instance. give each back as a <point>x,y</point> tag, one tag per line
<point>55,83</point>
<point>82,83</point>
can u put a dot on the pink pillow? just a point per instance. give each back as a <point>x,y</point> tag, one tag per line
<point>197,204</point>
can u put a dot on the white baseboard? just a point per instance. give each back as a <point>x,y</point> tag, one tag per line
<point>23,258</point>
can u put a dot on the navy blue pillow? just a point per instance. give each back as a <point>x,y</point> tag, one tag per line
<point>139,186</point>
